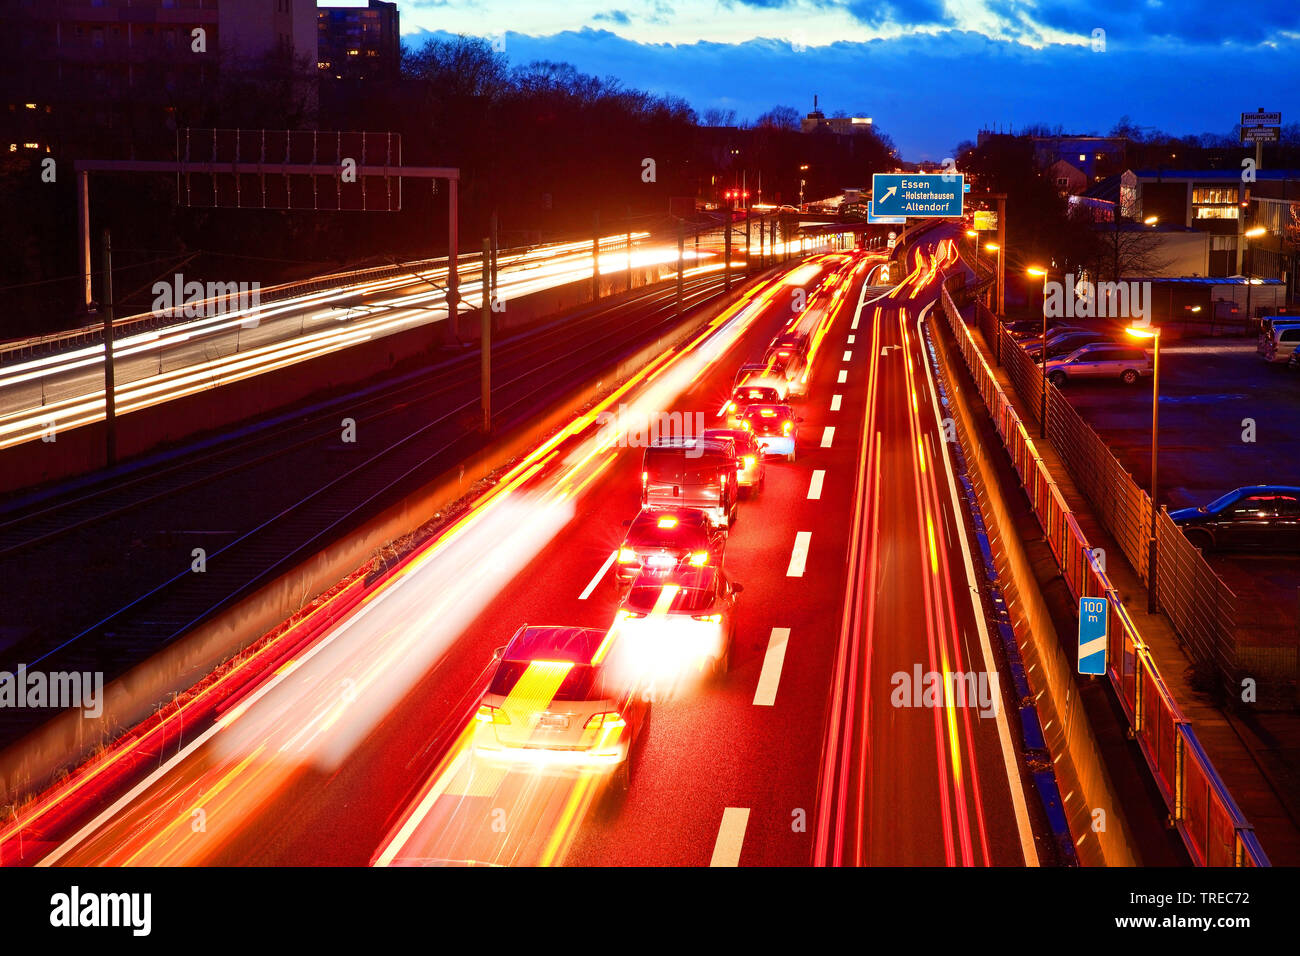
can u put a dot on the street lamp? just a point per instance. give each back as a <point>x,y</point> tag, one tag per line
<point>994,247</point>
<point>1148,332</point>
<point>1042,399</point>
<point>1253,233</point>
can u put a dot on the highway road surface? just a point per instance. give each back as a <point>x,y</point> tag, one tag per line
<point>828,741</point>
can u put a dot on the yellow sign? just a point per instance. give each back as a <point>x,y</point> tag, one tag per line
<point>986,220</point>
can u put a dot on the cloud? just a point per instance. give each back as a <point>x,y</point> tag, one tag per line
<point>614,16</point>
<point>1136,22</point>
<point>875,13</point>
<point>931,92</point>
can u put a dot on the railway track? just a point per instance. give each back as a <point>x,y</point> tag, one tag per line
<point>423,423</point>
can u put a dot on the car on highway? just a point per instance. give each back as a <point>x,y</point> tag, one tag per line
<point>751,469</point>
<point>792,348</point>
<point>692,473</point>
<point>1065,344</point>
<point>1102,360</point>
<point>553,701</point>
<point>745,395</point>
<point>685,623</point>
<point>1256,517</point>
<point>775,428</point>
<point>772,374</point>
<point>659,541</point>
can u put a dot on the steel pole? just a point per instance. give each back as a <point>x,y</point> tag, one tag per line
<point>83,238</point>
<point>1042,401</point>
<point>681,264</point>
<point>485,339</point>
<point>1155,451</point>
<point>110,388</point>
<point>453,253</point>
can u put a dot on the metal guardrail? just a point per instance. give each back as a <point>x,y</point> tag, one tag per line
<point>1212,826</point>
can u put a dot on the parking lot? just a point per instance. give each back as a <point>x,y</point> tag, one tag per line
<point>1227,419</point>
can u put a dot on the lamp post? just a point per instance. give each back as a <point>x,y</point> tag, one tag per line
<point>1042,398</point>
<point>975,236</point>
<point>802,183</point>
<point>1149,332</point>
<point>994,247</point>
<point>1252,233</point>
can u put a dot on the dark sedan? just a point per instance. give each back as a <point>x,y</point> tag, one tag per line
<point>1259,517</point>
<point>1065,344</point>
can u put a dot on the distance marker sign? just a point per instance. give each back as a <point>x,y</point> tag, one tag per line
<point>922,195</point>
<point>1094,615</point>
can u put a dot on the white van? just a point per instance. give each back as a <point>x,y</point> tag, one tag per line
<point>1280,342</point>
<point>1271,328</point>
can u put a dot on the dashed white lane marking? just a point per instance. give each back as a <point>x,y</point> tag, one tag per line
<point>770,677</point>
<point>731,837</point>
<point>591,586</point>
<point>852,338</point>
<point>828,436</point>
<point>835,402</point>
<point>799,557</point>
<point>815,486</point>
<point>844,376</point>
<point>848,356</point>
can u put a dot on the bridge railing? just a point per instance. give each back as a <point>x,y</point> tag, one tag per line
<point>1212,826</point>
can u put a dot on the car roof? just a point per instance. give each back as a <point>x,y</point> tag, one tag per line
<point>534,642</point>
<point>684,516</point>
<point>704,442</point>
<point>1268,489</point>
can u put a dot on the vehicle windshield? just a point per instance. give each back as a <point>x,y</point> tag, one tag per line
<point>1223,501</point>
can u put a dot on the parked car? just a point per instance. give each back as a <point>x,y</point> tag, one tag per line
<point>1063,343</point>
<point>1295,358</point>
<point>1271,326</point>
<point>1280,343</point>
<point>1263,517</point>
<point>1023,329</point>
<point>1100,361</point>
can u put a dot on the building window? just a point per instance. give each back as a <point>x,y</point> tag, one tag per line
<point>1215,202</point>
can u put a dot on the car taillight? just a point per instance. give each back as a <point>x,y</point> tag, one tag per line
<point>786,427</point>
<point>745,425</point>
<point>699,559</point>
<point>625,614</point>
<point>626,555</point>
<point>710,618</point>
<point>731,406</point>
<point>611,720</point>
<point>749,461</point>
<point>491,715</point>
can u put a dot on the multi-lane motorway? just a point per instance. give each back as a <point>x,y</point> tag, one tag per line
<point>824,743</point>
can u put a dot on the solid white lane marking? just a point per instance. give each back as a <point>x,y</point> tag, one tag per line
<point>835,402</point>
<point>844,376</point>
<point>599,575</point>
<point>773,661</point>
<point>828,436</point>
<point>1018,804</point>
<point>852,337</point>
<point>731,837</point>
<point>815,486</point>
<point>848,356</point>
<point>799,556</point>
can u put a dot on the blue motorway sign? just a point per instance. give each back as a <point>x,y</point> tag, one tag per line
<point>923,195</point>
<point>890,220</point>
<point>1094,615</point>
